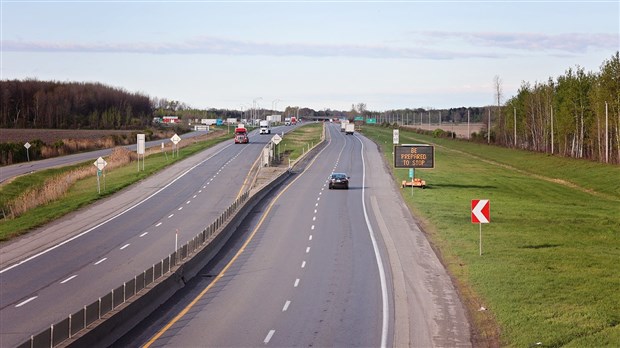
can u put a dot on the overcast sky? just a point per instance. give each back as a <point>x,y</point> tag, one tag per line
<point>317,54</point>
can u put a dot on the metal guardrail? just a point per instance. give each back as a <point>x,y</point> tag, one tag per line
<point>73,325</point>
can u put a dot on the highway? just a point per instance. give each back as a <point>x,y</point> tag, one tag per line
<point>319,267</point>
<point>54,271</point>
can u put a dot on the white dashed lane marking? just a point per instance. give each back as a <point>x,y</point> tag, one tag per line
<point>143,234</point>
<point>24,302</point>
<point>68,279</point>
<point>100,261</point>
<point>286,304</point>
<point>269,335</point>
<point>124,246</point>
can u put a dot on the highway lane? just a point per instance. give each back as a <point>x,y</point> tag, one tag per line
<point>116,239</point>
<point>309,275</point>
<point>7,172</point>
<point>302,272</point>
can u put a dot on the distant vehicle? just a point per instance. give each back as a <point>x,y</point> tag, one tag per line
<point>293,120</point>
<point>287,121</point>
<point>241,136</point>
<point>349,128</point>
<point>265,127</point>
<point>343,124</point>
<point>339,180</point>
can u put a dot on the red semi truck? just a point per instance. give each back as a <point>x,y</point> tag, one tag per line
<point>241,136</point>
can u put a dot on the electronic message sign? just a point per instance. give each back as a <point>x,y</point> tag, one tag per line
<point>414,156</point>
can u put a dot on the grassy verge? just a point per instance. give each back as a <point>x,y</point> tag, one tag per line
<point>299,141</point>
<point>549,272</point>
<point>84,191</point>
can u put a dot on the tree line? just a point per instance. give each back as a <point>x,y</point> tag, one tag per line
<point>576,115</point>
<point>71,105</point>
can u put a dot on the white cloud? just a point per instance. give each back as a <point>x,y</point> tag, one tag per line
<point>566,42</point>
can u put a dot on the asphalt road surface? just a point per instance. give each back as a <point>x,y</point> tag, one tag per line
<point>319,267</point>
<point>54,271</point>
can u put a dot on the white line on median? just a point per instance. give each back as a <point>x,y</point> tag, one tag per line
<point>23,303</point>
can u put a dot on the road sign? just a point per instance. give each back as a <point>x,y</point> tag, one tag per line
<point>276,139</point>
<point>100,163</point>
<point>414,156</point>
<point>27,145</point>
<point>358,118</point>
<point>175,139</point>
<point>480,211</point>
<point>371,121</point>
<point>140,143</point>
<point>395,137</point>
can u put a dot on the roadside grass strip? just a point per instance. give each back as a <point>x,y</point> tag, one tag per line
<point>549,272</point>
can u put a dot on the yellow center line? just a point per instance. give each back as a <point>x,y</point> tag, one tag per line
<point>221,274</point>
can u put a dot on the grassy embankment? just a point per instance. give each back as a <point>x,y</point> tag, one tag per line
<point>549,274</point>
<point>84,191</point>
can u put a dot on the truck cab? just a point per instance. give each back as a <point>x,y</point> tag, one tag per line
<point>241,136</point>
<point>265,127</point>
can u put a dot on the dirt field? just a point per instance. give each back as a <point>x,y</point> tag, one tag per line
<point>49,136</point>
<point>460,130</point>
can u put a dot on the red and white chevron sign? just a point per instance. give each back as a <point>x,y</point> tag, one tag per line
<point>480,211</point>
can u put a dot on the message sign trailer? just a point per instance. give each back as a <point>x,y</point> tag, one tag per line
<point>480,214</point>
<point>414,156</point>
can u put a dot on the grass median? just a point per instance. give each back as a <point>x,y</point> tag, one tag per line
<point>299,141</point>
<point>85,191</point>
<point>548,275</point>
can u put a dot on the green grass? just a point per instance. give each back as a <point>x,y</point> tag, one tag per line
<point>84,192</point>
<point>297,142</point>
<point>549,271</point>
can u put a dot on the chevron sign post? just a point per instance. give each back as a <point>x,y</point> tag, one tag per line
<point>480,214</point>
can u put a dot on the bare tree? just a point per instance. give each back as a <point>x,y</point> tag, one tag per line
<point>497,88</point>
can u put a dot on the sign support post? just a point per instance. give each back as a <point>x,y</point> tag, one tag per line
<point>480,214</point>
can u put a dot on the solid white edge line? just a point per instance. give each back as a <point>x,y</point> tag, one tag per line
<point>112,218</point>
<point>269,335</point>
<point>24,302</point>
<point>384,292</point>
